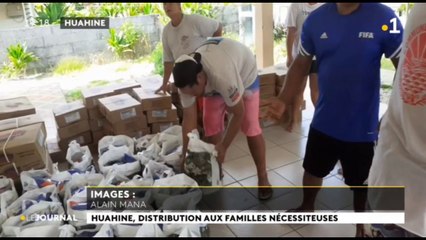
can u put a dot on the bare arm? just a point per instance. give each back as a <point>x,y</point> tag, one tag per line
<point>294,79</point>
<point>234,125</point>
<point>189,123</point>
<point>291,36</point>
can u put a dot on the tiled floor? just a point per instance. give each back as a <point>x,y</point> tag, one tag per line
<point>284,153</point>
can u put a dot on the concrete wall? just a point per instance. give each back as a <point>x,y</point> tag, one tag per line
<point>51,44</point>
<point>9,22</point>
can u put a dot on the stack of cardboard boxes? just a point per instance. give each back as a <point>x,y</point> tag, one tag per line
<point>22,139</point>
<point>124,116</point>
<point>267,82</point>
<point>96,119</point>
<point>72,121</point>
<point>158,108</point>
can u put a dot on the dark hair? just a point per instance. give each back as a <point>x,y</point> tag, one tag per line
<point>185,72</point>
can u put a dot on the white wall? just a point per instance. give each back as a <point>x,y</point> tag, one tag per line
<point>10,23</point>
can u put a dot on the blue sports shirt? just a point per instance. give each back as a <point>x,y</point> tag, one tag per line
<point>348,49</point>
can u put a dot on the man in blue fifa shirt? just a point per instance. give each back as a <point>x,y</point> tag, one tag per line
<point>348,40</point>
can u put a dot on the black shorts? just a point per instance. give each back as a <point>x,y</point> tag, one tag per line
<point>323,152</point>
<point>314,67</point>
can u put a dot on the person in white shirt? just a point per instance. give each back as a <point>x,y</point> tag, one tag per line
<point>296,16</point>
<point>400,156</point>
<point>182,35</point>
<point>224,73</point>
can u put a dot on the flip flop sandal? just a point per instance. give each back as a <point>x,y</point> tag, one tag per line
<point>265,193</point>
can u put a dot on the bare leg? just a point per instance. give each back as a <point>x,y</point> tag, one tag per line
<point>257,149</point>
<point>309,194</point>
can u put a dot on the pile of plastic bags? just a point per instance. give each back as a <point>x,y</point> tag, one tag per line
<point>153,160</point>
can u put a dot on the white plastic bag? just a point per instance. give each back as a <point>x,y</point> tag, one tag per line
<point>150,230</point>
<point>67,230</point>
<point>176,198</point>
<point>8,195</point>
<point>175,130</point>
<point>173,159</point>
<point>168,143</point>
<point>138,181</point>
<point>81,180</point>
<point>124,230</point>
<point>32,197</point>
<point>115,141</point>
<point>79,157</point>
<point>15,226</point>
<point>201,163</point>
<point>119,159</point>
<point>105,231</point>
<point>113,178</point>
<point>151,153</point>
<point>87,230</point>
<point>34,179</point>
<point>144,142</point>
<point>156,170</point>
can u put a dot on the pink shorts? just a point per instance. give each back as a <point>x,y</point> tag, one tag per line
<point>214,115</point>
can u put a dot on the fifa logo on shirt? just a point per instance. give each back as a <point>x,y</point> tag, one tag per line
<point>368,35</point>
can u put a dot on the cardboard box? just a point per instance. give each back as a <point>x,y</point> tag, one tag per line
<point>281,77</point>
<point>95,113</point>
<point>151,101</point>
<point>24,146</point>
<point>127,125</point>
<point>74,129</point>
<point>92,95</point>
<point>13,123</point>
<point>83,139</point>
<point>165,115</point>
<point>10,170</point>
<point>120,107</point>
<point>121,88</point>
<point>97,135</point>
<point>70,113</point>
<point>97,124</point>
<point>159,127</point>
<point>269,90</point>
<point>263,121</point>
<point>15,107</point>
<point>135,134</point>
<point>267,79</point>
<point>152,82</point>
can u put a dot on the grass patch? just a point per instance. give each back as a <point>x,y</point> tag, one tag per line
<point>387,64</point>
<point>144,59</point>
<point>122,69</point>
<point>74,95</point>
<point>97,83</point>
<point>69,65</point>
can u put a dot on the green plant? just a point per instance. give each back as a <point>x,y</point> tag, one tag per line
<point>204,9</point>
<point>69,65</point>
<point>157,59</point>
<point>279,32</point>
<point>111,10</point>
<point>19,59</point>
<point>123,42</point>
<point>97,83</point>
<point>403,8</point>
<point>50,13</point>
<point>74,95</point>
